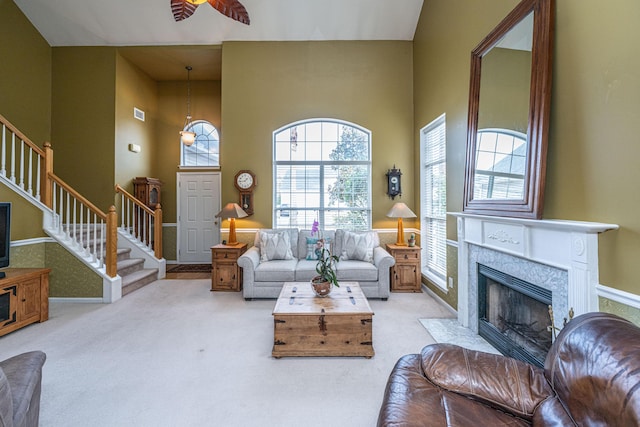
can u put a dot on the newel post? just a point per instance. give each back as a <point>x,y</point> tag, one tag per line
<point>45,182</point>
<point>111,261</point>
<point>157,232</point>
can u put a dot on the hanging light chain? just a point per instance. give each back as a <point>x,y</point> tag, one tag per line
<point>186,134</point>
<point>189,68</point>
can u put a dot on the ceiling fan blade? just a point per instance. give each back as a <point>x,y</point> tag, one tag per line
<point>231,8</point>
<point>182,9</point>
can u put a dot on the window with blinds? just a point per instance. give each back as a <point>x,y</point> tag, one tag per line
<point>322,171</point>
<point>433,201</point>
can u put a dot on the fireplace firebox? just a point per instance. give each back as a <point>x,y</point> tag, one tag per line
<point>513,315</point>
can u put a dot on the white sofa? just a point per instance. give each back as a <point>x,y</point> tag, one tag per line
<point>264,279</point>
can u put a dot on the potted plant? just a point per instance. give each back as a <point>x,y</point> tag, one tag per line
<point>321,284</point>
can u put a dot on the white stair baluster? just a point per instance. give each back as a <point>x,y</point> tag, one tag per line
<point>22,164</point>
<point>3,164</point>
<point>13,158</point>
<point>38,178</point>
<point>30,173</point>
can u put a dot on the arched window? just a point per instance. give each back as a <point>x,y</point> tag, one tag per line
<point>205,151</point>
<point>322,170</point>
<point>500,164</point>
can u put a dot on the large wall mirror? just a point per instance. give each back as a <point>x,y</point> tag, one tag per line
<point>508,124</point>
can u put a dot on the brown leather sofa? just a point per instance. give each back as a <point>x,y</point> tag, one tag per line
<point>591,378</point>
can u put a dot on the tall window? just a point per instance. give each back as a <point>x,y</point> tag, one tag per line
<point>433,201</point>
<point>205,151</point>
<point>322,170</point>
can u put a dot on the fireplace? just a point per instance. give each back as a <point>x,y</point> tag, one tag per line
<point>557,255</point>
<point>513,315</point>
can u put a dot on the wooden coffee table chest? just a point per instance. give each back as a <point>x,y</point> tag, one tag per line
<point>337,325</point>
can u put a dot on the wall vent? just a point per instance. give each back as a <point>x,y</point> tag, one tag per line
<point>138,114</point>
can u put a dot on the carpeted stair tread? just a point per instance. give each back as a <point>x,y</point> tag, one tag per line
<point>130,265</point>
<point>123,250</point>
<point>138,279</point>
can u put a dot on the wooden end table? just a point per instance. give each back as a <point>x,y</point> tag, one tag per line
<point>225,273</point>
<point>337,325</point>
<point>405,274</point>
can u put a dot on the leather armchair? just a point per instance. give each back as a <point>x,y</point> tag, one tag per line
<point>591,378</point>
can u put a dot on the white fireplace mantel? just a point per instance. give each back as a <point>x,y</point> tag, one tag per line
<point>567,245</point>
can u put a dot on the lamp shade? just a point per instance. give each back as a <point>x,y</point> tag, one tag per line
<point>232,210</point>
<point>400,210</point>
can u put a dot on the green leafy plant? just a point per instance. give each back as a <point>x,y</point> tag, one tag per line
<point>326,268</point>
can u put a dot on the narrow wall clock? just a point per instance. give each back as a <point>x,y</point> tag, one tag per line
<point>245,182</point>
<point>394,187</point>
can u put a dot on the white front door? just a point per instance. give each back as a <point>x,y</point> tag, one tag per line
<point>198,228</point>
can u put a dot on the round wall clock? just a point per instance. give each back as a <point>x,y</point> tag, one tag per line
<point>245,180</point>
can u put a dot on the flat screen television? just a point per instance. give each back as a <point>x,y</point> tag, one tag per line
<point>5,235</point>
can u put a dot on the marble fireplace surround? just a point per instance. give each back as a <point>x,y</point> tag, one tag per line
<point>558,255</point>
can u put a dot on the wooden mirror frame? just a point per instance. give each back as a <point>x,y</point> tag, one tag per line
<point>531,205</point>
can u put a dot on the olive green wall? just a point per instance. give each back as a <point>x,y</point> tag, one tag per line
<point>266,85</point>
<point>25,100</point>
<point>134,89</point>
<point>83,124</point>
<point>172,110</point>
<point>26,219</point>
<point>591,166</point>
<point>592,171</point>
<point>25,75</point>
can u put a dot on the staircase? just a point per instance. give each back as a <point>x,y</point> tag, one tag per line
<point>124,256</point>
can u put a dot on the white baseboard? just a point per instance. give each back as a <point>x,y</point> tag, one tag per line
<point>435,296</point>
<point>77,300</point>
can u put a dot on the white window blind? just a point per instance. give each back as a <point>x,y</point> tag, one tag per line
<point>433,201</point>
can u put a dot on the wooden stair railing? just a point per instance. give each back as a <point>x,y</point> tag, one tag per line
<point>141,223</point>
<point>91,231</point>
<point>85,228</point>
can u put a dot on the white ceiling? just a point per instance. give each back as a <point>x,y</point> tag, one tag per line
<point>150,22</point>
<point>195,41</point>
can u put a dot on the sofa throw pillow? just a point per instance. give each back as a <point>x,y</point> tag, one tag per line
<point>275,246</point>
<point>358,246</point>
<point>314,248</point>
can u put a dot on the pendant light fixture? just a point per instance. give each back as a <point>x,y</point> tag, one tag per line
<point>187,136</point>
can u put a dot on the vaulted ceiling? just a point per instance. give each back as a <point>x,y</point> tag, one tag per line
<point>196,40</point>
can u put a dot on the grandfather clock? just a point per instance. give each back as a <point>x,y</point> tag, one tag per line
<point>147,190</point>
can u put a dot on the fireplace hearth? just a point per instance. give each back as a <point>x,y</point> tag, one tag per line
<point>513,315</point>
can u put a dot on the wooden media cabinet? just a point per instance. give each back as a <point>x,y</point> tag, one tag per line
<point>24,298</point>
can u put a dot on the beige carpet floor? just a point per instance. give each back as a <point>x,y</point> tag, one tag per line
<point>175,354</point>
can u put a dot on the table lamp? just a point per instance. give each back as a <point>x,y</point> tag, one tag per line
<point>400,210</point>
<point>232,211</point>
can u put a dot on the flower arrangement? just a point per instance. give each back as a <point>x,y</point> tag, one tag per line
<point>326,262</point>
